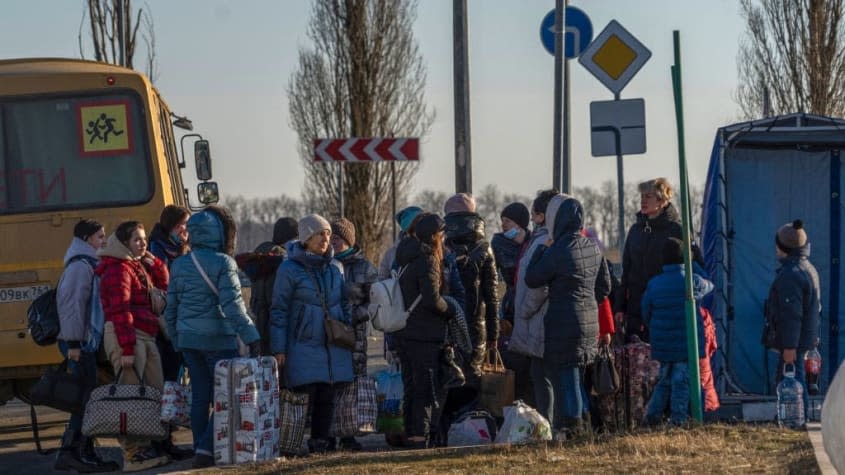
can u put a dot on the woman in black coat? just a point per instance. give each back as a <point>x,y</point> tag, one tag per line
<point>657,221</point>
<point>573,269</point>
<point>423,337</point>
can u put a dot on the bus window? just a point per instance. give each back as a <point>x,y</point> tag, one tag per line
<point>73,152</point>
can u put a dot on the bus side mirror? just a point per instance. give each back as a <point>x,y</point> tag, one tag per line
<point>208,193</point>
<point>202,158</point>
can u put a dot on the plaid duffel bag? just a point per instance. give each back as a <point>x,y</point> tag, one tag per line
<point>355,409</point>
<point>293,411</point>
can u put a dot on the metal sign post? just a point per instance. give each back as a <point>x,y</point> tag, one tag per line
<point>617,126</point>
<point>564,32</point>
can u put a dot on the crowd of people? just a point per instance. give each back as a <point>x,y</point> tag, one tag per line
<point>175,300</point>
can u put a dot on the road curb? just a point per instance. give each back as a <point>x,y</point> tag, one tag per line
<point>814,430</point>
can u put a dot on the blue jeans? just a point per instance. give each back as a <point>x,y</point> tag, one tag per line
<point>672,389</point>
<point>544,396</point>
<point>201,367</point>
<point>85,368</point>
<point>800,376</point>
<point>570,400</point>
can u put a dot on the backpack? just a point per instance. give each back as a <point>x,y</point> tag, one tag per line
<point>43,312</point>
<point>387,306</point>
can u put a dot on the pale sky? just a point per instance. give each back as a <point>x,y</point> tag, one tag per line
<point>226,65</point>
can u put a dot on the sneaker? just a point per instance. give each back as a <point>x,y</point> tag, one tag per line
<point>145,459</point>
<point>203,461</point>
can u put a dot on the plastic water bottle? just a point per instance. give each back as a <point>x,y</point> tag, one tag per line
<point>812,368</point>
<point>790,399</point>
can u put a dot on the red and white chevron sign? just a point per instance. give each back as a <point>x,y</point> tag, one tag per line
<point>366,149</point>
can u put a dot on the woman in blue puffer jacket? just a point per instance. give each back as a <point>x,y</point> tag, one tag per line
<point>204,322</point>
<point>307,285</point>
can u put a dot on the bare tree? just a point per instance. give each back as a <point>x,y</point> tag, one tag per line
<point>256,217</point>
<point>363,76</point>
<point>795,50</point>
<point>431,201</point>
<point>102,17</point>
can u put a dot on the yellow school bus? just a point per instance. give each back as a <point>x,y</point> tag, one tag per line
<point>78,139</point>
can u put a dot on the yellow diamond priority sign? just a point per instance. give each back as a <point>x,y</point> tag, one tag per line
<point>614,57</point>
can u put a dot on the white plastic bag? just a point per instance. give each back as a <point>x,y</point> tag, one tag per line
<point>523,425</point>
<point>473,428</point>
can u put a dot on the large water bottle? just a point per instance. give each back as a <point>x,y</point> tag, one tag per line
<point>790,399</point>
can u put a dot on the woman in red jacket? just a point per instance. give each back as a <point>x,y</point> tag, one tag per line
<point>127,271</point>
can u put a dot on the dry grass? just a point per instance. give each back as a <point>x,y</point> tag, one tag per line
<point>708,449</point>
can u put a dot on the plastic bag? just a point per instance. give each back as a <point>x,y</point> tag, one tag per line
<point>472,428</point>
<point>389,394</point>
<point>523,425</point>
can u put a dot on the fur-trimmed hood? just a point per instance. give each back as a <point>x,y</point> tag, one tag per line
<point>212,228</point>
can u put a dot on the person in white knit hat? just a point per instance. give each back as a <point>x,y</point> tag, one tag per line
<point>308,291</point>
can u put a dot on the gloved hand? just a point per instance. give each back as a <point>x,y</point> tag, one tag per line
<point>255,349</point>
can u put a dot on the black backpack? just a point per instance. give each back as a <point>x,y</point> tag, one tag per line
<point>43,312</point>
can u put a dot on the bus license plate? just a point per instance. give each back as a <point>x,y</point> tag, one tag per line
<point>22,294</point>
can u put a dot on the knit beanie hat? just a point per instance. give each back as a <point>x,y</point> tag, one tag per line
<point>461,202</point>
<point>518,213</point>
<point>86,228</point>
<point>791,236</point>
<point>427,226</point>
<point>311,225</point>
<point>284,230</point>
<point>345,229</point>
<point>406,216</point>
<point>673,251</point>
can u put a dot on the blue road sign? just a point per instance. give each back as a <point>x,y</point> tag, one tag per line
<point>579,32</point>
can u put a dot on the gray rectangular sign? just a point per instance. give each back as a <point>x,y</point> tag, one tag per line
<point>617,127</point>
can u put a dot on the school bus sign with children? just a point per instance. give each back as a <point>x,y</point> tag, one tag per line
<point>103,128</point>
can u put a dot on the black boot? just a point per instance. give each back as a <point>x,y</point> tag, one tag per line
<point>70,458</point>
<point>89,456</point>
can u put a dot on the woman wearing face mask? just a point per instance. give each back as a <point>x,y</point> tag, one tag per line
<point>307,287</point>
<point>127,270</point>
<point>657,221</point>
<point>507,246</point>
<point>169,240</point>
<point>79,339</point>
<point>169,237</point>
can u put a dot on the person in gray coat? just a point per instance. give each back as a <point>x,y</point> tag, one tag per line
<point>79,338</point>
<point>570,266</point>
<point>530,306</point>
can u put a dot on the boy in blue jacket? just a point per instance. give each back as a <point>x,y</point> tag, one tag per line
<point>663,312</point>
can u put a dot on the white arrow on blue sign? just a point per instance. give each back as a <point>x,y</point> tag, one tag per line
<point>579,32</point>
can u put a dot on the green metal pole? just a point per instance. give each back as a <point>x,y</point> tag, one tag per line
<point>691,314</point>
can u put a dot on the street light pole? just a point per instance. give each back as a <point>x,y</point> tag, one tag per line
<point>463,155</point>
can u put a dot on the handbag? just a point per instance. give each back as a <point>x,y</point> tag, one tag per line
<point>61,389</point>
<point>121,410</point>
<point>338,333</point>
<point>497,384</point>
<point>605,378</point>
<point>176,400</point>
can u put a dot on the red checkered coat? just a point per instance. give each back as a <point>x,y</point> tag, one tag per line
<point>124,294</point>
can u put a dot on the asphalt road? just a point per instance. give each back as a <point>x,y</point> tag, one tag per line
<point>18,455</point>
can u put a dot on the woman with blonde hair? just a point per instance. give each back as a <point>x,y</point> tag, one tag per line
<point>657,221</point>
